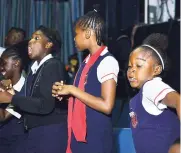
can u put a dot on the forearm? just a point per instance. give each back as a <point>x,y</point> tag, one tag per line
<point>33,105</point>
<point>172,100</point>
<point>97,103</point>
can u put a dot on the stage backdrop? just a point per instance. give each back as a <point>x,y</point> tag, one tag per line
<point>29,14</point>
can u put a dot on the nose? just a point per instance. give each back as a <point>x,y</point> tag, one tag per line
<point>30,41</point>
<point>131,70</point>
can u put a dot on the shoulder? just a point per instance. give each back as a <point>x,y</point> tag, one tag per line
<point>155,85</point>
<point>108,68</point>
<point>53,63</point>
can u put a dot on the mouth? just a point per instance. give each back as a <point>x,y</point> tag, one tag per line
<point>3,73</point>
<point>29,50</point>
<point>132,79</point>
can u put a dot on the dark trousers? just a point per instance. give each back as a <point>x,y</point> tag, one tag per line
<point>13,144</point>
<point>47,139</point>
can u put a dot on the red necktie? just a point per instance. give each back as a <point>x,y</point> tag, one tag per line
<point>77,116</point>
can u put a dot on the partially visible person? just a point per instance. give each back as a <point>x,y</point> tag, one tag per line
<point>12,134</point>
<point>93,93</point>
<point>1,50</point>
<point>14,36</point>
<point>155,110</point>
<point>45,120</point>
<point>175,147</point>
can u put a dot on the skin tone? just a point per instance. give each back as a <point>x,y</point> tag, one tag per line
<point>86,39</point>
<point>143,67</point>
<point>13,37</point>
<point>38,48</point>
<point>174,148</point>
<point>11,70</point>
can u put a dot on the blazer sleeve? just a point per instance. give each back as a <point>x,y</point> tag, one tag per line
<point>44,103</point>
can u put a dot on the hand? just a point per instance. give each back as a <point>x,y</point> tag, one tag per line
<point>59,89</point>
<point>5,97</point>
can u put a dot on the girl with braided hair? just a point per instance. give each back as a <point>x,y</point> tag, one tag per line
<point>92,96</point>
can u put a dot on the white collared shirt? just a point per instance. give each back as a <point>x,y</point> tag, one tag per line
<point>18,86</point>
<point>154,92</point>
<point>108,67</point>
<point>36,66</point>
<point>2,50</point>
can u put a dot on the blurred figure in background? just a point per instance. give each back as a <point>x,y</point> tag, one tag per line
<point>14,36</point>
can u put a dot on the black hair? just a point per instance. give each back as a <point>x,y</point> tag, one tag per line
<point>13,52</point>
<point>54,37</point>
<point>18,30</point>
<point>93,20</point>
<point>177,141</point>
<point>160,43</point>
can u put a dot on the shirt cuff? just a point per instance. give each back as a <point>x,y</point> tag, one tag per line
<point>108,77</point>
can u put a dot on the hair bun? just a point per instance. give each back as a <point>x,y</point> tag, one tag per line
<point>157,40</point>
<point>96,8</point>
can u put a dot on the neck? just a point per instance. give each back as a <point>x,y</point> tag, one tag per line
<point>16,78</point>
<point>93,49</point>
<point>40,58</point>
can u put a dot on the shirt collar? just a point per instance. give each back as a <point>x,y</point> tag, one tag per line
<point>157,78</point>
<point>18,86</point>
<point>103,53</point>
<point>36,66</point>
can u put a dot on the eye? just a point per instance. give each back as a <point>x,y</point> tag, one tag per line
<point>36,38</point>
<point>139,65</point>
<point>129,68</point>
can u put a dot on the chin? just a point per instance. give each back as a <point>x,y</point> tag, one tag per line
<point>135,86</point>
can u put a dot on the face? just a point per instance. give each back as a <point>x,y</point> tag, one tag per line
<point>13,37</point>
<point>9,40</point>
<point>141,68</point>
<point>7,67</point>
<point>37,46</point>
<point>80,39</point>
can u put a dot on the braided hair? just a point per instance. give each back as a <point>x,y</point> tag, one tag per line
<point>13,53</point>
<point>92,20</point>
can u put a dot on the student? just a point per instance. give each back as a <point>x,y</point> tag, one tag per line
<point>93,93</point>
<point>14,36</point>
<point>45,120</point>
<point>154,122</point>
<point>12,134</point>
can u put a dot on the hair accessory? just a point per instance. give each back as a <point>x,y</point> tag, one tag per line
<point>95,10</point>
<point>156,53</point>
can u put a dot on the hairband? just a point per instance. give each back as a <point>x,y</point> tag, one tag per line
<point>156,53</point>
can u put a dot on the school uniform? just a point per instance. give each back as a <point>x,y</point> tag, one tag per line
<point>99,126</point>
<point>154,125</point>
<point>12,136</point>
<point>45,118</point>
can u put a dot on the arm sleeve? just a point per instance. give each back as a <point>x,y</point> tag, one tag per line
<point>44,103</point>
<point>108,69</point>
<point>155,91</point>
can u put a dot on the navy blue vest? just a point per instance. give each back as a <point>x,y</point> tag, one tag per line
<point>152,133</point>
<point>96,121</point>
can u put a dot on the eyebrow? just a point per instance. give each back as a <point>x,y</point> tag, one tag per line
<point>141,59</point>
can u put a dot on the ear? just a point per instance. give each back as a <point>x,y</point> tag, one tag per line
<point>48,45</point>
<point>157,70</point>
<point>87,33</point>
<point>16,64</point>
